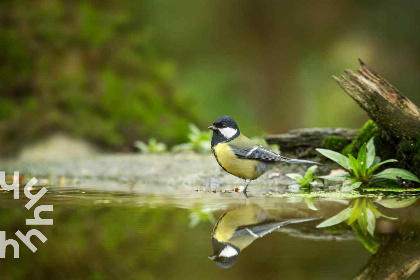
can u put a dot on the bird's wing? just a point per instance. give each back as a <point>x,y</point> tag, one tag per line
<point>256,152</point>
<point>243,147</point>
<point>258,230</point>
<point>263,229</point>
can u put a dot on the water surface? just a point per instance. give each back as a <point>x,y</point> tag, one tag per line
<point>126,235</point>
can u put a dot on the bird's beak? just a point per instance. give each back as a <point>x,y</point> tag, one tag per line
<point>212,257</point>
<point>212,127</point>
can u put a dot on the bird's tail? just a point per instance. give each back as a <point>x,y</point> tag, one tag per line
<point>292,160</point>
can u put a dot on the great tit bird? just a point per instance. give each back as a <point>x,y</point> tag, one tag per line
<point>239,156</point>
<point>238,228</point>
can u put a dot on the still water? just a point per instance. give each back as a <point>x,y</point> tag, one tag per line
<point>99,235</point>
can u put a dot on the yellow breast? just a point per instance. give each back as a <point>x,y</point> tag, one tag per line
<point>241,216</point>
<point>242,168</point>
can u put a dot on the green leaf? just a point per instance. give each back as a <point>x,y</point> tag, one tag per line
<point>310,203</point>
<point>295,176</point>
<point>361,158</point>
<point>347,188</point>
<point>388,217</point>
<point>310,172</point>
<point>355,212</point>
<point>371,221</point>
<point>194,130</point>
<point>395,173</point>
<point>374,210</point>
<point>334,220</point>
<point>336,178</point>
<point>356,167</point>
<point>370,158</point>
<point>362,221</point>
<point>374,167</point>
<point>337,157</point>
<point>395,203</point>
<point>370,243</point>
<point>143,147</point>
<point>379,214</point>
<point>376,160</point>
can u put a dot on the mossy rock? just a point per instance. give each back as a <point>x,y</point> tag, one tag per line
<point>369,130</point>
<point>335,143</point>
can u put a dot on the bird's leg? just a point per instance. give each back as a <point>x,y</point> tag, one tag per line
<point>247,181</point>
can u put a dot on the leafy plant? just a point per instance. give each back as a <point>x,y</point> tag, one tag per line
<point>199,141</point>
<point>307,180</point>
<point>362,170</point>
<point>152,146</point>
<point>361,210</point>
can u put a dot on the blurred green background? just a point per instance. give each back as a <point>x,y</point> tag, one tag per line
<point>113,72</point>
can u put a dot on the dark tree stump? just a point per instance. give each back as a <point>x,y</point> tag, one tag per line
<point>397,258</point>
<point>389,108</point>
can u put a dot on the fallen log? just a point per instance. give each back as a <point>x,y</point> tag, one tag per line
<point>302,143</point>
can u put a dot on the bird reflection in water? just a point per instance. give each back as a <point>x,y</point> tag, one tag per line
<point>237,228</point>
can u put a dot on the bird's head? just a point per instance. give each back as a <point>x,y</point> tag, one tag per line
<point>224,129</point>
<point>225,254</point>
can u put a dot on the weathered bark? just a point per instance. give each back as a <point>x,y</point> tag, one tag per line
<point>302,142</point>
<point>397,258</point>
<point>390,109</point>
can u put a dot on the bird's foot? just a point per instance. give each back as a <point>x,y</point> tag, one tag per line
<point>241,189</point>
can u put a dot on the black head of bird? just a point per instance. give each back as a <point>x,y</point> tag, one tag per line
<point>224,255</point>
<point>224,129</point>
<point>240,156</point>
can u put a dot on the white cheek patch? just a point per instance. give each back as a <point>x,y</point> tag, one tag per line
<point>228,252</point>
<point>228,132</point>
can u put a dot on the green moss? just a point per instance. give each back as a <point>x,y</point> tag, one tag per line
<point>337,229</point>
<point>392,190</point>
<point>334,143</point>
<point>408,152</point>
<point>369,130</point>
